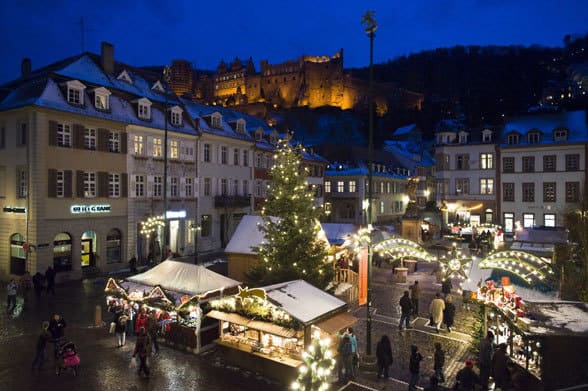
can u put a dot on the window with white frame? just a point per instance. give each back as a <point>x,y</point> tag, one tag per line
<point>528,220</point>
<point>486,186</point>
<point>240,126</point>
<point>139,185</point>
<point>224,188</point>
<point>189,187</point>
<point>462,186</point>
<point>157,186</point>
<point>327,186</point>
<point>207,186</point>
<point>382,207</point>
<point>138,145</point>
<point>90,138</point>
<point>114,142</point>
<point>114,185</point>
<point>352,186</point>
<point>176,116</point>
<point>258,189</point>
<point>235,187</point>
<point>224,155</point>
<point>486,161</point>
<point>63,135</point>
<point>560,135</point>
<point>157,147</point>
<point>549,220</point>
<point>60,183</point>
<point>75,92</point>
<point>533,137</point>
<point>21,182</point>
<point>174,190</point>
<point>89,184</point>
<point>101,98</point>
<point>174,149</point>
<point>340,186</point>
<point>245,158</point>
<point>215,121</point>
<point>512,139</point>
<point>144,109</point>
<point>206,153</point>
<point>245,187</point>
<point>258,160</point>
<point>236,155</point>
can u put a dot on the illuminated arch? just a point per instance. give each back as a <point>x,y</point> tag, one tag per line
<point>398,248</point>
<point>525,265</point>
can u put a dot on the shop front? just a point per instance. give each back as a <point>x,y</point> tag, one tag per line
<point>267,329</point>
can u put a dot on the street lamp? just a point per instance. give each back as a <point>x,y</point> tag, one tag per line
<point>166,77</point>
<point>369,21</point>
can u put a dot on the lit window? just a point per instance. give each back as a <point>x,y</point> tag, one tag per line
<point>89,184</point>
<point>101,98</point>
<point>486,161</point>
<point>549,220</point>
<point>486,186</point>
<point>327,186</point>
<point>114,142</point>
<point>528,220</point>
<point>157,147</point>
<point>90,138</point>
<point>138,142</point>
<point>173,149</point>
<point>60,184</point>
<point>340,187</point>
<point>114,185</point>
<point>352,186</point>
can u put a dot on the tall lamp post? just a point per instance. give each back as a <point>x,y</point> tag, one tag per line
<point>166,77</point>
<point>369,21</point>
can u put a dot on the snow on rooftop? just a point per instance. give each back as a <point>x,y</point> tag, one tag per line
<point>246,235</point>
<point>338,233</point>
<point>302,300</point>
<point>567,318</point>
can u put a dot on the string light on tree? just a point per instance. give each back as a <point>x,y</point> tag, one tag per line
<point>151,225</point>
<point>318,364</point>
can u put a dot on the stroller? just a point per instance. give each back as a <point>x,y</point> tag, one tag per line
<point>69,358</point>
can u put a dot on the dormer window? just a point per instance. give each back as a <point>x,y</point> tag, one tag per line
<point>144,109</point>
<point>274,138</point>
<point>102,98</point>
<point>240,126</point>
<point>124,76</point>
<point>75,92</point>
<point>533,137</point>
<point>512,139</point>
<point>486,136</point>
<point>176,116</point>
<point>258,135</point>
<point>560,134</point>
<point>463,137</point>
<point>216,120</point>
<point>158,87</point>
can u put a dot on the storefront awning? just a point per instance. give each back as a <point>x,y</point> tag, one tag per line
<point>228,317</point>
<point>253,324</point>
<point>336,323</point>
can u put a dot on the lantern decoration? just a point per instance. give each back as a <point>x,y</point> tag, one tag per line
<point>318,364</point>
<point>525,265</point>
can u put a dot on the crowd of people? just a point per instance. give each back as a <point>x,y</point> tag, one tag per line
<point>40,282</point>
<point>65,355</point>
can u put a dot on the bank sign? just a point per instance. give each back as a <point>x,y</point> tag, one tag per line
<point>82,209</point>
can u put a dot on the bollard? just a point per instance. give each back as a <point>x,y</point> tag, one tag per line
<point>98,316</point>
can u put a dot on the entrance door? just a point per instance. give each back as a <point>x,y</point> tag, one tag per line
<point>174,228</point>
<point>508,223</point>
<point>87,253</point>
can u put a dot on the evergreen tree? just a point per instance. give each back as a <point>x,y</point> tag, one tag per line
<point>317,367</point>
<point>290,250</point>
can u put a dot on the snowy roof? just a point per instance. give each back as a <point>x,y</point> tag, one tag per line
<point>184,277</point>
<point>302,300</point>
<point>410,154</point>
<point>338,233</point>
<point>246,235</point>
<point>561,318</point>
<point>405,130</point>
<point>546,123</point>
<point>197,111</point>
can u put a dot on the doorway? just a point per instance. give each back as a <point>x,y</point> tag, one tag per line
<point>88,256</point>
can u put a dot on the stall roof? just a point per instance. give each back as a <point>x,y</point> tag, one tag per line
<point>302,300</point>
<point>337,323</point>
<point>184,277</point>
<point>338,233</point>
<point>254,324</point>
<point>565,318</point>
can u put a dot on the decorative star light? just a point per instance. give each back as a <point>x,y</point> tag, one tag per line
<point>455,265</point>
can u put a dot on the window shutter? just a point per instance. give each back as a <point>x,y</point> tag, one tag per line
<point>52,132</point>
<point>124,185</point>
<point>78,136</point>
<point>196,187</point>
<point>123,142</point>
<point>102,184</point>
<point>80,184</point>
<point>149,147</point>
<point>133,192</point>
<point>67,188</point>
<point>182,189</point>
<point>51,183</point>
<point>149,186</point>
<point>102,143</point>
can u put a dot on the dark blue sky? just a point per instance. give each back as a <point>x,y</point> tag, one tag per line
<point>153,32</point>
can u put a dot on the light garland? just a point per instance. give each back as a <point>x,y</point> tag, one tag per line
<point>398,248</point>
<point>525,265</point>
<point>318,365</point>
<point>456,265</point>
<point>150,225</point>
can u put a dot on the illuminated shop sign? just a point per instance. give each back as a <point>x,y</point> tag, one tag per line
<point>175,214</point>
<point>79,209</point>
<point>14,209</point>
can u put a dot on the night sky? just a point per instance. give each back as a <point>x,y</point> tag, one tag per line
<point>153,32</point>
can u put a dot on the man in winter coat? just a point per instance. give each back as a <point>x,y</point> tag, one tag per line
<point>415,293</point>
<point>50,277</point>
<point>449,312</point>
<point>414,367</point>
<point>436,309</point>
<point>405,308</point>
<point>439,363</point>
<point>466,378</point>
<point>499,367</point>
<point>384,356</point>
<point>38,279</point>
<point>485,361</point>
<point>446,286</point>
<point>57,331</point>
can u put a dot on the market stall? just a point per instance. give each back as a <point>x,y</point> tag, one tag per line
<point>179,293</point>
<point>549,339</point>
<point>267,329</point>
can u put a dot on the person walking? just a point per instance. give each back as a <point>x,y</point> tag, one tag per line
<point>414,367</point>
<point>141,320</point>
<point>11,291</point>
<point>405,308</point>
<point>415,293</point>
<point>120,329</point>
<point>446,286</point>
<point>50,277</point>
<point>26,282</point>
<point>57,330</point>
<point>384,356</point>
<point>40,347</point>
<point>344,358</point>
<point>436,309</point>
<point>439,362</point>
<point>449,312</point>
<point>485,359</point>
<point>153,330</point>
<point>466,378</point>
<point>354,352</point>
<point>499,367</point>
<point>142,351</point>
<point>38,279</point>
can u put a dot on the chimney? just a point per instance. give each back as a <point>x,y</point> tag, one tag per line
<point>25,67</point>
<point>107,57</point>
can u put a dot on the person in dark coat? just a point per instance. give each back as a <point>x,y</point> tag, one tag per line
<point>42,340</point>
<point>466,378</point>
<point>344,358</point>
<point>38,280</point>
<point>414,367</point>
<point>446,286</point>
<point>405,308</point>
<point>415,293</point>
<point>384,356</point>
<point>485,360</point>
<point>449,312</point>
<point>433,384</point>
<point>50,277</point>
<point>439,362</point>
<point>57,330</point>
<point>499,367</point>
<point>142,351</point>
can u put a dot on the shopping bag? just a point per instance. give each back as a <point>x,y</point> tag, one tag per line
<point>112,327</point>
<point>133,363</point>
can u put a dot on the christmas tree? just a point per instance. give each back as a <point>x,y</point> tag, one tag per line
<point>291,249</point>
<point>317,367</point>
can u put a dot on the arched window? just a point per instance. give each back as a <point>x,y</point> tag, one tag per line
<point>18,257</point>
<point>62,252</point>
<point>113,246</point>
